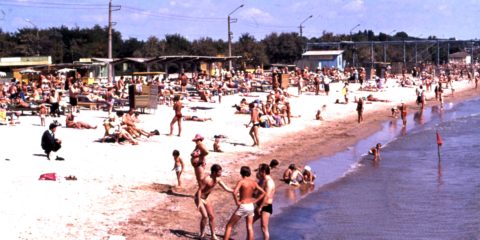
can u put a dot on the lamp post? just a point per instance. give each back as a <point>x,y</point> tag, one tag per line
<point>38,38</point>
<point>354,46</point>
<point>229,20</point>
<point>385,47</point>
<point>416,52</point>
<point>351,30</point>
<point>301,26</point>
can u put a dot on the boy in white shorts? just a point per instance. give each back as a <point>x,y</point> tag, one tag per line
<point>245,189</point>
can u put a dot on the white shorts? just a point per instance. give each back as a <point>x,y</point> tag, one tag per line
<point>246,209</point>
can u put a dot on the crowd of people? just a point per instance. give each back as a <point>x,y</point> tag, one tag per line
<point>253,198</point>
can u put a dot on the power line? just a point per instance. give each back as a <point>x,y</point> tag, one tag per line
<point>170,16</point>
<point>54,5</point>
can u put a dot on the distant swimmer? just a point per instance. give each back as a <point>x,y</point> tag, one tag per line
<point>375,151</point>
<point>403,113</point>
<point>205,208</point>
<point>245,202</point>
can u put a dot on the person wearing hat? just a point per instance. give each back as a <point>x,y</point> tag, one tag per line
<point>50,143</point>
<point>308,176</point>
<point>198,157</point>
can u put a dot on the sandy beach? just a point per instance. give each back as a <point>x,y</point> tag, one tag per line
<point>128,192</point>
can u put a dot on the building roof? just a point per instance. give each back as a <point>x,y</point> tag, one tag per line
<point>459,55</point>
<point>323,53</point>
<point>167,59</point>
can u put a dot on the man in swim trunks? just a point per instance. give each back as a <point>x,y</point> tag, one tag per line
<point>264,209</point>
<point>205,208</point>
<point>245,203</point>
<point>255,121</point>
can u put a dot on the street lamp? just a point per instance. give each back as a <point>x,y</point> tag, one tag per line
<point>38,38</point>
<point>354,46</point>
<point>230,35</point>
<point>301,26</point>
<point>351,30</point>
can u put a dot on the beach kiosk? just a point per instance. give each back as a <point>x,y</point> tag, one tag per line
<point>321,59</point>
<point>141,96</point>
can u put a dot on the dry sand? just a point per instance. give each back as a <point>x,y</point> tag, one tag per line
<point>126,191</point>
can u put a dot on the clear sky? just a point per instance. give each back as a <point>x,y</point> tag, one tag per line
<point>208,18</point>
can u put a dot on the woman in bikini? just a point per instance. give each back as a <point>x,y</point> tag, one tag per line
<point>177,107</point>
<point>198,157</point>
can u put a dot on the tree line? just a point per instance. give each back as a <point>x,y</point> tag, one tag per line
<point>66,45</point>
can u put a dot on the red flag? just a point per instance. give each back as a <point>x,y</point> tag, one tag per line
<point>439,139</point>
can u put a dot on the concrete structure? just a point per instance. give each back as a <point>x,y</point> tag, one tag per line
<point>321,59</point>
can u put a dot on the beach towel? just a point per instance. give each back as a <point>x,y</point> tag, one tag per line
<point>48,177</point>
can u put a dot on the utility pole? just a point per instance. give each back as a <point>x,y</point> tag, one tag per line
<point>229,20</point>
<point>38,36</point>
<point>301,25</point>
<point>110,24</point>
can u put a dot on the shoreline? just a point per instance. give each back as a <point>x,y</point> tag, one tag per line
<point>300,148</point>
<point>126,191</point>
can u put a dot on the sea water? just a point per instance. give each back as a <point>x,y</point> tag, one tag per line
<point>412,193</point>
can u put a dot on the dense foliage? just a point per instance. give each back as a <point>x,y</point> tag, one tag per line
<point>69,44</point>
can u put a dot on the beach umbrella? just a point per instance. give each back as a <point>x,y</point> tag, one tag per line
<point>66,70</point>
<point>28,70</point>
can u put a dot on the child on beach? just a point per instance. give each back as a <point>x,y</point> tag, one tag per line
<point>216,144</point>
<point>308,175</point>
<point>375,151</point>
<point>178,166</point>
<point>42,113</point>
<point>243,194</point>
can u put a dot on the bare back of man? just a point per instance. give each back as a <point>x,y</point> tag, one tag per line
<point>245,202</point>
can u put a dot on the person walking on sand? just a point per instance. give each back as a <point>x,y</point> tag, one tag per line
<point>360,109</point>
<point>254,120</point>
<point>205,208</point>
<point>198,157</point>
<point>245,189</point>
<point>265,209</point>
<point>177,107</point>
<point>178,166</point>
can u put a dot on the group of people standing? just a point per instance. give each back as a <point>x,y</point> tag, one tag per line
<point>253,199</point>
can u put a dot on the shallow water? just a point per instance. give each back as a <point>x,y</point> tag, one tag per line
<point>410,194</point>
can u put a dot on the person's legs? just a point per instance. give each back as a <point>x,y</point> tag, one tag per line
<point>249,223</point>
<point>211,218</point>
<point>255,133</point>
<point>172,123</point>
<point>252,135</point>
<point>265,218</point>
<point>203,221</point>
<point>179,122</point>
<point>178,179</point>
<point>231,223</point>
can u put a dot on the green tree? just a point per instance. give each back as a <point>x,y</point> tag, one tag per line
<point>252,52</point>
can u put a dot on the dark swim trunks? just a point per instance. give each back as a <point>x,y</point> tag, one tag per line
<point>268,208</point>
